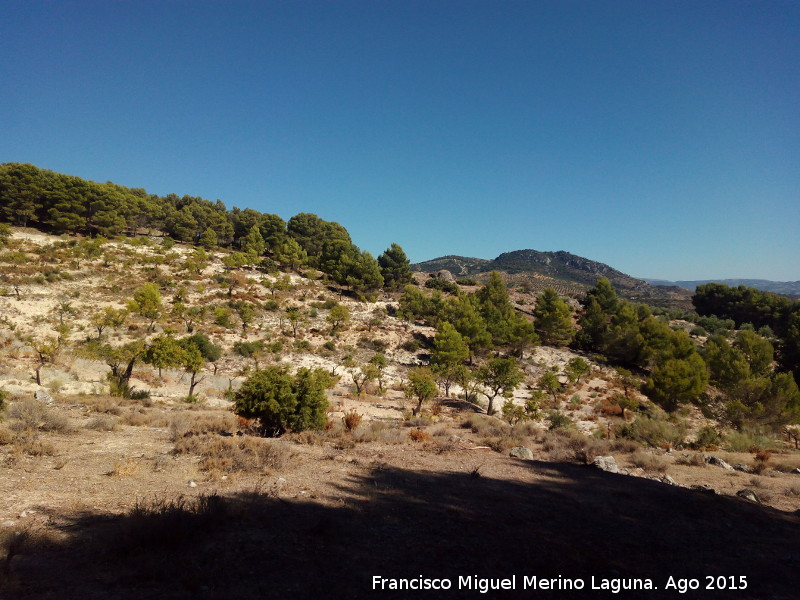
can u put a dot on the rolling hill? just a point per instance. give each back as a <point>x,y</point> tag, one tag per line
<point>787,288</point>
<point>568,273</point>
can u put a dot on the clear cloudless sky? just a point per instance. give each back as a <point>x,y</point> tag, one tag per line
<point>660,137</point>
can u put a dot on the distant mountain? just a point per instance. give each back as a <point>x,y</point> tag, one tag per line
<point>568,273</point>
<point>788,288</point>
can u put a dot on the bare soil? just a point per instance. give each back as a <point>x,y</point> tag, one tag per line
<point>341,511</point>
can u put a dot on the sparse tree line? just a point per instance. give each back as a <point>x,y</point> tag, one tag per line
<point>748,386</point>
<point>58,203</point>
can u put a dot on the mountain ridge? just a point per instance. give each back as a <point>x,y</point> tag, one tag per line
<point>569,273</point>
<point>788,288</point>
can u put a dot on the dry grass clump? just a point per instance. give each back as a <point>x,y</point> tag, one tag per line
<point>104,404</point>
<point>649,462</point>
<point>497,434</point>
<point>525,429</point>
<point>124,468</point>
<point>484,425</point>
<point>793,490</point>
<point>370,432</point>
<point>351,420</point>
<point>624,446</point>
<point>103,422</point>
<point>564,445</point>
<point>658,433</point>
<point>188,424</point>
<point>608,407</point>
<point>308,437</point>
<point>164,524</point>
<point>419,435</point>
<point>691,460</point>
<point>761,461</point>
<point>31,414</point>
<point>230,454</point>
<point>6,435</point>
<point>393,435</point>
<point>787,464</point>
<point>555,446</point>
<point>29,442</point>
<point>139,416</point>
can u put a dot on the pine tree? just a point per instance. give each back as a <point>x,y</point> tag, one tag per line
<point>553,319</point>
<point>208,239</point>
<point>395,268</point>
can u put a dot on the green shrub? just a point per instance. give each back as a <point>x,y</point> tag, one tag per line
<point>302,346</point>
<point>411,345</point>
<point>284,402</point>
<point>437,283</point>
<point>557,420</point>
<point>707,437</point>
<point>747,441</point>
<point>657,433</point>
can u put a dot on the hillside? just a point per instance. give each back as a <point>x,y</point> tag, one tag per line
<point>787,288</point>
<point>109,491</point>
<point>568,273</point>
<point>98,490</point>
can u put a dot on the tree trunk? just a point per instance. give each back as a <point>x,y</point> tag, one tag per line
<point>193,382</point>
<point>417,410</point>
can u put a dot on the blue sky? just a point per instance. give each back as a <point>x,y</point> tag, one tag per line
<point>662,138</point>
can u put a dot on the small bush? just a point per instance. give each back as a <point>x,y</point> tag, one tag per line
<point>32,414</point>
<point>761,461</point>
<point>229,454</point>
<point>649,462</point>
<point>557,420</point>
<point>484,425</point>
<point>351,420</point>
<point>624,446</point>
<point>6,435</point>
<point>657,433</point>
<point>419,435</point>
<point>585,449</point>
<point>165,524</point>
<point>418,420</point>
<point>691,460</point>
<point>368,432</point>
<point>302,346</point>
<point>556,447</point>
<point>102,423</point>
<point>747,441</point>
<point>707,439</point>
<point>30,443</point>
<point>442,284</point>
<point>189,424</point>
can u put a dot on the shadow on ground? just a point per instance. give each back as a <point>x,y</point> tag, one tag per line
<point>573,522</point>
